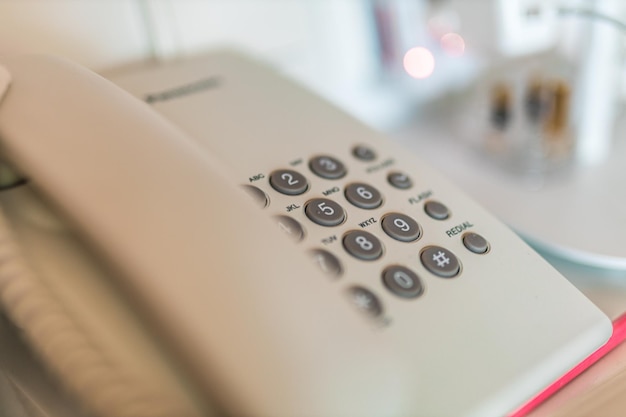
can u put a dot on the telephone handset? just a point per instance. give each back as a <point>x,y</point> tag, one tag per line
<point>151,285</point>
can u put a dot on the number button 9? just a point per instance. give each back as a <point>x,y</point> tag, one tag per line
<point>287,181</point>
<point>401,227</point>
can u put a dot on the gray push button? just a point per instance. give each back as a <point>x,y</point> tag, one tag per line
<point>327,262</point>
<point>399,180</point>
<point>291,227</point>
<point>475,242</point>
<point>324,212</point>
<point>327,167</point>
<point>436,210</point>
<point>287,181</point>
<point>401,227</point>
<point>362,245</point>
<point>365,301</point>
<point>402,281</point>
<point>440,261</point>
<point>363,153</point>
<point>363,196</point>
<point>258,195</point>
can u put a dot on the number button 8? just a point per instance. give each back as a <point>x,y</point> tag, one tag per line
<point>362,245</point>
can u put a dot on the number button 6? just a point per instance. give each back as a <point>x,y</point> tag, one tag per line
<point>363,196</point>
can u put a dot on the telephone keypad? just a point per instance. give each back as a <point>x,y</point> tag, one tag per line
<point>289,182</point>
<point>324,212</point>
<point>363,196</point>
<point>362,245</point>
<point>400,280</point>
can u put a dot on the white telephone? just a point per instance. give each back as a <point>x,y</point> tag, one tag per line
<point>151,285</point>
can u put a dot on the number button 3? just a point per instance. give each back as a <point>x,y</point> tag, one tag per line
<point>327,167</point>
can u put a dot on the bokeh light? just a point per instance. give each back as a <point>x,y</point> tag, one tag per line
<point>453,44</point>
<point>419,62</point>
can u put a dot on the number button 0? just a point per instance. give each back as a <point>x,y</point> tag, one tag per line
<point>363,196</point>
<point>402,281</point>
<point>324,212</point>
<point>287,181</point>
<point>362,245</point>
<point>327,167</point>
<point>401,227</point>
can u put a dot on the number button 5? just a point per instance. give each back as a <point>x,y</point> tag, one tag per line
<point>324,212</point>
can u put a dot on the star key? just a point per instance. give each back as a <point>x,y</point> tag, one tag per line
<point>365,301</point>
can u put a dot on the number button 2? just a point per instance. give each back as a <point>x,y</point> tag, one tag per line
<point>362,245</point>
<point>287,181</point>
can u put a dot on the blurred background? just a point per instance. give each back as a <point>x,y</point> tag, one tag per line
<point>520,102</point>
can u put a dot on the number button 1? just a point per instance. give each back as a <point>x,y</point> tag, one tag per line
<point>362,245</point>
<point>324,212</point>
<point>287,181</point>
